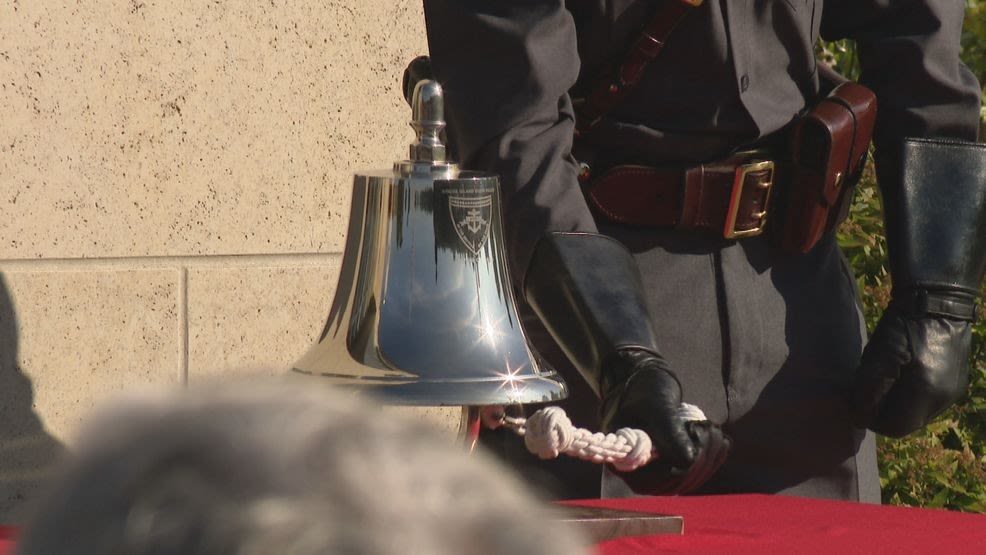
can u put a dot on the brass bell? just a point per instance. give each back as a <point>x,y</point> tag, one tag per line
<point>424,312</point>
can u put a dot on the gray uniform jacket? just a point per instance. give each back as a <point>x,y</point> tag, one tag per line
<point>766,345</point>
<point>734,71</point>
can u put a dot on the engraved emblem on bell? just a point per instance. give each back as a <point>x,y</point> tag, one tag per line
<point>471,218</point>
<point>424,312</point>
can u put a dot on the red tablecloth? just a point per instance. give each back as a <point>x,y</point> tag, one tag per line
<point>6,540</point>
<point>738,524</point>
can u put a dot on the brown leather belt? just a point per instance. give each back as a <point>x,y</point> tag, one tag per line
<point>729,197</point>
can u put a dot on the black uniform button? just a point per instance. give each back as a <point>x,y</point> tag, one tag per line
<point>744,82</point>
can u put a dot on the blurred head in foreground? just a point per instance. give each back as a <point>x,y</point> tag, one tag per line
<point>246,469</point>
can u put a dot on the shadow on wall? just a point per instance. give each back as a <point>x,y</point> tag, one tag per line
<point>26,449</point>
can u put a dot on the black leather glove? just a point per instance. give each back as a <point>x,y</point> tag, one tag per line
<point>587,290</point>
<point>916,364</point>
<point>639,391</point>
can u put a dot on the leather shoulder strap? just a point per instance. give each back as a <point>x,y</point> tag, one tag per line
<point>609,91</point>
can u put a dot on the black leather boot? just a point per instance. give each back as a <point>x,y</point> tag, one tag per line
<point>587,291</point>
<point>916,364</point>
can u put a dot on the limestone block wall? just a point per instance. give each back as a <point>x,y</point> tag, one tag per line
<point>174,189</point>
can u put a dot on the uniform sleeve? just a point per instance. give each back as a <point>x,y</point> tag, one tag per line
<point>909,55</point>
<point>506,67</point>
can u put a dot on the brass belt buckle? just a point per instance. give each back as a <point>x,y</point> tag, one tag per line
<point>739,186</point>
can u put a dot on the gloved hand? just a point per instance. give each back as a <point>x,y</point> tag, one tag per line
<point>916,364</point>
<point>640,391</point>
<point>587,290</point>
<point>934,206</point>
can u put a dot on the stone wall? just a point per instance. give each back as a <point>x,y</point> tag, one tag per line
<point>174,188</point>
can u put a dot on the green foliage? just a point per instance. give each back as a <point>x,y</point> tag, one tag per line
<point>945,464</point>
<point>974,38</point>
<point>974,46</point>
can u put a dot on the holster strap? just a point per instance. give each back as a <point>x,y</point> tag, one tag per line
<point>607,92</point>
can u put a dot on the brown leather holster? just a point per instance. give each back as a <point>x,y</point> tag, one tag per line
<point>828,152</point>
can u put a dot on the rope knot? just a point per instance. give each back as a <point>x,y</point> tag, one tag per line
<point>640,448</point>
<point>549,432</point>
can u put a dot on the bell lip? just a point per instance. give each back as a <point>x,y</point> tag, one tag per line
<point>530,389</point>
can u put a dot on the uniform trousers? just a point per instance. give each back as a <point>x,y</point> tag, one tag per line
<point>763,342</point>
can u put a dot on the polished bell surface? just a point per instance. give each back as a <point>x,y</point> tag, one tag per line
<point>424,312</point>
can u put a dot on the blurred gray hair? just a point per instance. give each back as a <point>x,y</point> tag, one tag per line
<point>246,469</point>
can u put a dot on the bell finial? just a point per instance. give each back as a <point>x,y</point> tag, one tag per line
<point>428,121</point>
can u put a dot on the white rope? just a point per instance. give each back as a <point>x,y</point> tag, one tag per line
<point>549,432</point>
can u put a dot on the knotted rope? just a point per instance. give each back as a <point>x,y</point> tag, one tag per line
<point>549,432</point>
